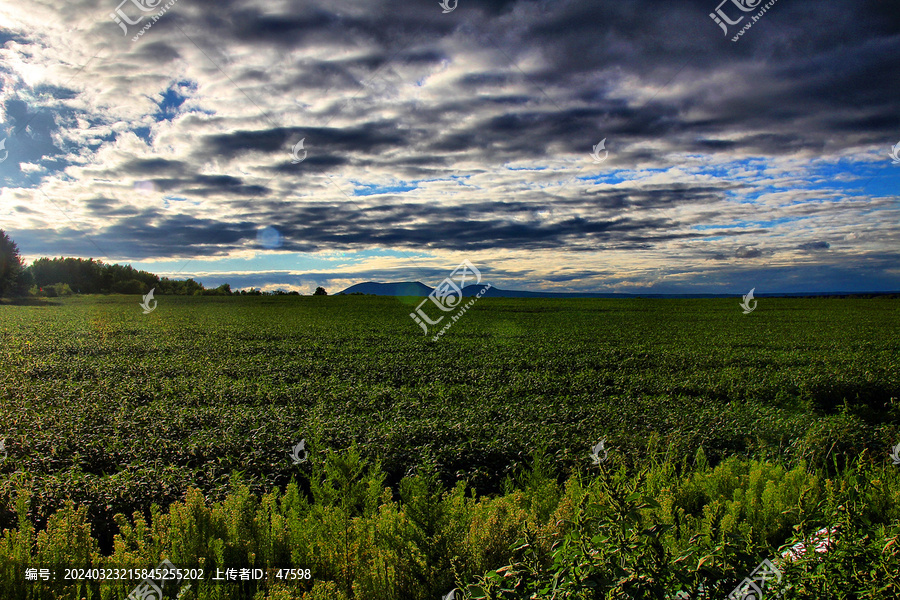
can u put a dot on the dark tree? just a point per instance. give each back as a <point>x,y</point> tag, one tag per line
<point>177,287</point>
<point>89,276</point>
<point>12,271</point>
<point>320,291</point>
<point>131,286</point>
<point>92,277</point>
<point>83,276</point>
<point>222,290</point>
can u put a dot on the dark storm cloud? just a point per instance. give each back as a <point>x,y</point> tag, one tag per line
<point>812,246</point>
<point>309,228</point>
<point>154,233</point>
<point>217,185</point>
<point>107,207</point>
<point>652,197</point>
<point>155,166</point>
<point>251,25</point>
<point>364,139</point>
<point>744,252</point>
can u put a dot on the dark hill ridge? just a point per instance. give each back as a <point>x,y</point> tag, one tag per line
<point>417,288</point>
<point>403,288</point>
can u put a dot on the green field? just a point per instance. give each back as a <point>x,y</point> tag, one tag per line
<point>118,410</point>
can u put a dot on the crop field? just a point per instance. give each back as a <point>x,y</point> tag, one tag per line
<point>199,405</point>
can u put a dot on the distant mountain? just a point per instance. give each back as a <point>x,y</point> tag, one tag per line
<point>417,288</point>
<point>403,288</point>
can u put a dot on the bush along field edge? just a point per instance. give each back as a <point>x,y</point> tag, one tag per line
<point>661,530</point>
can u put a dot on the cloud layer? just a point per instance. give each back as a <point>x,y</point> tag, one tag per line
<point>434,137</point>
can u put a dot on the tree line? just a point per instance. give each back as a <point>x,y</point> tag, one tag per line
<point>64,276</point>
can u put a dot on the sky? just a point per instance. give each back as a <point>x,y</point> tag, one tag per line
<point>571,146</point>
